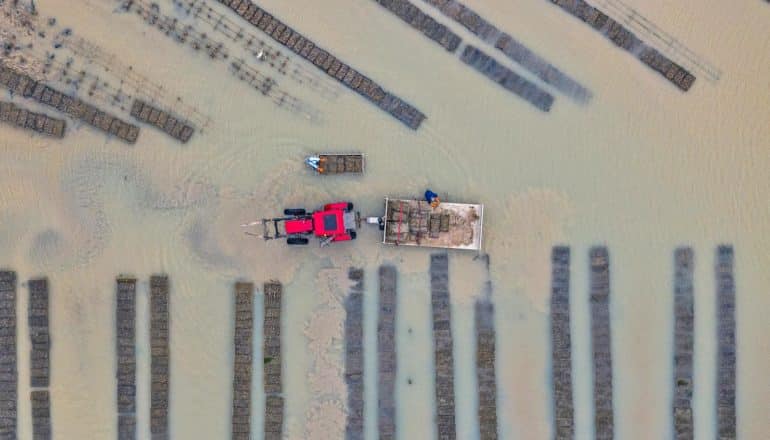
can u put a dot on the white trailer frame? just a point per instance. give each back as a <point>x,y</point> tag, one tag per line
<point>478,229</point>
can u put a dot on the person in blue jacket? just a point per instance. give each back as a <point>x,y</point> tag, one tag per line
<point>432,198</point>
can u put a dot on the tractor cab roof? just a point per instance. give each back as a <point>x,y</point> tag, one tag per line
<point>328,223</point>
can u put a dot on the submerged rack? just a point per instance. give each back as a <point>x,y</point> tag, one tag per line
<point>9,381</point>
<point>443,351</point>
<point>243,360</point>
<point>125,349</point>
<point>159,357</point>
<point>354,355</point>
<point>38,122</point>
<point>271,350</point>
<point>561,345</point>
<point>327,63</point>
<point>21,84</point>
<point>387,353</point>
<point>601,343</point>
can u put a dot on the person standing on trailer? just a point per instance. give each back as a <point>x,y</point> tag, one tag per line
<point>432,198</point>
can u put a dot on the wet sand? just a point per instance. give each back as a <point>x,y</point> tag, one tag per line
<point>642,169</point>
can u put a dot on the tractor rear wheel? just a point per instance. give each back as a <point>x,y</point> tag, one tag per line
<point>350,206</point>
<point>297,241</point>
<point>294,212</point>
<point>352,235</point>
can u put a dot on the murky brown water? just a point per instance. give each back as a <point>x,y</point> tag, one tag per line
<point>642,168</point>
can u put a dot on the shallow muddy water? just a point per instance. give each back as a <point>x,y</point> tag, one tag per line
<point>642,168</point>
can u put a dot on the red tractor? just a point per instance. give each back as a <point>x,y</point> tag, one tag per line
<point>335,222</point>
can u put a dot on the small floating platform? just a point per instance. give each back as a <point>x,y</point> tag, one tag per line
<point>330,163</point>
<point>409,222</point>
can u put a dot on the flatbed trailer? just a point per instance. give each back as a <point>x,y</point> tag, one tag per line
<point>410,222</point>
<point>337,163</point>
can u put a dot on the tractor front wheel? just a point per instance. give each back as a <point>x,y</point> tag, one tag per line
<point>294,212</point>
<point>297,241</point>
